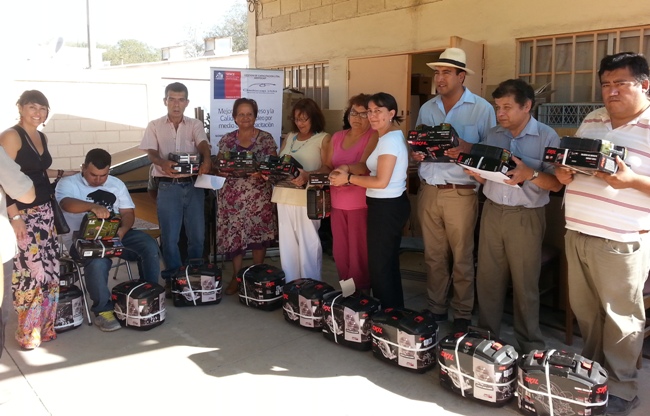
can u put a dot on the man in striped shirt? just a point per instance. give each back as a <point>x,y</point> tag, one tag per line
<point>607,221</point>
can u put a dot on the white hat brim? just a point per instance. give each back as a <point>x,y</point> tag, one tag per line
<point>433,66</point>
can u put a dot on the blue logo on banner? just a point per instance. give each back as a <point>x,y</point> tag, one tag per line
<point>219,85</point>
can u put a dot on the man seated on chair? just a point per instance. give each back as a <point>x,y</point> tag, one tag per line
<point>93,190</point>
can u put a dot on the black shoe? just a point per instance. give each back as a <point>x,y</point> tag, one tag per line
<point>620,407</point>
<point>168,289</point>
<point>438,317</point>
<point>461,325</point>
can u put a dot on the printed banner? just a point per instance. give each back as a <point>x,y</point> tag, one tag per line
<point>262,85</point>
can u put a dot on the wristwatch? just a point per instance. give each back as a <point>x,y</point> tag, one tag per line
<point>15,217</point>
<point>349,176</point>
<point>535,175</point>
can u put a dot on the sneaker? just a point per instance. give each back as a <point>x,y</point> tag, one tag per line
<point>106,321</point>
<point>620,407</point>
<point>461,325</point>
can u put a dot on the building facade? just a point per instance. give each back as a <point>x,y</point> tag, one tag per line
<point>331,49</point>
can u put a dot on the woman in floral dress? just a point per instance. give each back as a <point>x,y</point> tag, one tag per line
<point>244,210</point>
<point>35,280</point>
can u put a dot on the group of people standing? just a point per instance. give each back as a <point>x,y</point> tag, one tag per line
<point>607,216</point>
<point>367,166</point>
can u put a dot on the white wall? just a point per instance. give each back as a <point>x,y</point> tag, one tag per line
<point>107,107</point>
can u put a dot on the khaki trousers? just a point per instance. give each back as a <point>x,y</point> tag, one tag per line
<point>448,219</point>
<point>510,250</point>
<point>606,280</point>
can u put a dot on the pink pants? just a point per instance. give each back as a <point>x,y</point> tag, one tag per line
<point>350,245</point>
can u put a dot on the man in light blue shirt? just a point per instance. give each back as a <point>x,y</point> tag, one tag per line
<point>447,201</point>
<point>513,219</point>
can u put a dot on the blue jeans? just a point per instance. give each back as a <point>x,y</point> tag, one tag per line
<point>138,247</point>
<point>180,203</point>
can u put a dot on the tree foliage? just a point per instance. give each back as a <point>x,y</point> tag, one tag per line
<point>193,44</point>
<point>235,25</point>
<point>131,51</point>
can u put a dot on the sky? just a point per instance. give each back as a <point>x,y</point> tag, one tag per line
<point>159,23</point>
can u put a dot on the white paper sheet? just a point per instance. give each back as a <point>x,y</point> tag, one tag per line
<point>347,287</point>
<point>490,176</point>
<point>209,182</point>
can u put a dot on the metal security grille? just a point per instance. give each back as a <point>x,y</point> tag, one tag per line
<point>565,115</point>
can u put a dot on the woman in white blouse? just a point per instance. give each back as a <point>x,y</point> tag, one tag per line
<point>388,205</point>
<point>301,254</point>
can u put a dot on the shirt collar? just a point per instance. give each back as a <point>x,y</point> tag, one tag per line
<point>169,121</point>
<point>467,97</point>
<point>531,129</point>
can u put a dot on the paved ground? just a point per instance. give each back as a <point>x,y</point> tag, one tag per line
<point>227,359</point>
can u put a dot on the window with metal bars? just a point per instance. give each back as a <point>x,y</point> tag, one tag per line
<point>570,61</point>
<point>310,79</point>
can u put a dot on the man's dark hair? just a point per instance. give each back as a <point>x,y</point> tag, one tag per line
<point>519,89</point>
<point>100,158</point>
<point>635,62</point>
<point>176,87</point>
<point>309,108</point>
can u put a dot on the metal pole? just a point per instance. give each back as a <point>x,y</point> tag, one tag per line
<point>90,61</point>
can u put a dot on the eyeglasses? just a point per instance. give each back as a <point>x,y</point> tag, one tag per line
<point>363,114</point>
<point>618,85</point>
<point>245,115</point>
<point>375,112</point>
<point>299,119</point>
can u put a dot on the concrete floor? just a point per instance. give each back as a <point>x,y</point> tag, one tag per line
<point>227,359</point>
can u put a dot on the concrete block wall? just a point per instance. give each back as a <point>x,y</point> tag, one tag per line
<point>71,137</point>
<point>89,113</point>
<point>281,15</point>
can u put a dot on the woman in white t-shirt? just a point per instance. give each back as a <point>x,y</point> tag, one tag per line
<point>388,205</point>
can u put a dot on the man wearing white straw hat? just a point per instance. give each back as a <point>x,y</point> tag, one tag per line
<point>447,199</point>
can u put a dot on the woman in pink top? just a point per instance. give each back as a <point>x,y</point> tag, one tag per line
<point>349,210</point>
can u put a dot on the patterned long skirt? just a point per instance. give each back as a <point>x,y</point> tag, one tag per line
<point>35,279</point>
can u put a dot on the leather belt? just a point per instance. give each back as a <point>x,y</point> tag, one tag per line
<point>453,186</point>
<point>175,180</point>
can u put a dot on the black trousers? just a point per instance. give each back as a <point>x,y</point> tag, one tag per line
<point>386,219</point>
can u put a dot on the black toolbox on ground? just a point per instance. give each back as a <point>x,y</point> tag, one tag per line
<point>196,285</point>
<point>347,319</point>
<point>404,337</point>
<point>69,310</point>
<point>260,286</point>
<point>562,383</point>
<point>302,302</point>
<point>477,367</point>
<point>139,304</point>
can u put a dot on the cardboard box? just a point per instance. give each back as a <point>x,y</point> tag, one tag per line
<point>586,156</point>
<point>421,85</point>
<point>93,228</point>
<point>432,142</point>
<point>99,248</point>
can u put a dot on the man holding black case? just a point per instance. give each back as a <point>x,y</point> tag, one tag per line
<point>513,220</point>
<point>607,221</point>
<point>447,201</point>
<point>93,190</point>
<point>179,202</point>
